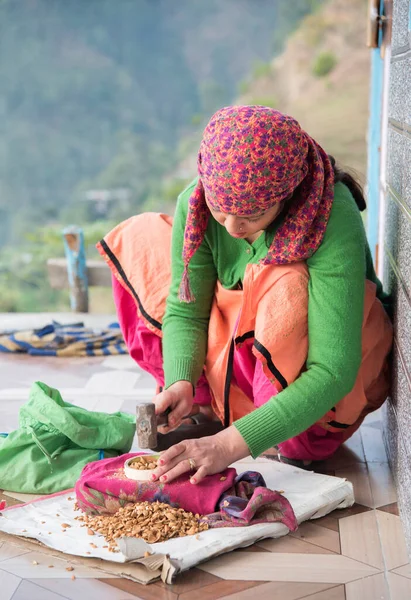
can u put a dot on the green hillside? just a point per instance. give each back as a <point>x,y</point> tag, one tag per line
<point>99,93</point>
<point>322,79</point>
<point>103,94</point>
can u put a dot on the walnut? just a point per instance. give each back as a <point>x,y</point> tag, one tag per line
<point>152,521</point>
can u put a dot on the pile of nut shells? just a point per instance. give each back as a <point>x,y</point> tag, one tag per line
<point>152,521</point>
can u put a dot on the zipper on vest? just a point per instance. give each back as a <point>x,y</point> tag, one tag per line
<point>227,385</point>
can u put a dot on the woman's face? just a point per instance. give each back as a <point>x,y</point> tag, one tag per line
<point>246,226</point>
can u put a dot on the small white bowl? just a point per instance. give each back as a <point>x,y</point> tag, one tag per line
<point>139,474</point>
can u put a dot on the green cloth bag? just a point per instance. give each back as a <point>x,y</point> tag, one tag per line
<point>55,440</point>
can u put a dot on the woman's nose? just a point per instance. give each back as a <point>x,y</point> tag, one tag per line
<point>232,224</point>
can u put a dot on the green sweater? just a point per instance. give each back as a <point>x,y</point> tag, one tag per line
<point>337,271</point>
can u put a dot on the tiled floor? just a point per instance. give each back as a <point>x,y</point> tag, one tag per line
<point>354,554</point>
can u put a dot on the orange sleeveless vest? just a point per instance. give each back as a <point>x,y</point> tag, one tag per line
<point>138,253</point>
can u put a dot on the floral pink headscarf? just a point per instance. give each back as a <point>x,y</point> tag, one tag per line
<point>251,158</point>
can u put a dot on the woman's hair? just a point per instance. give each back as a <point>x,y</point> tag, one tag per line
<point>351,183</point>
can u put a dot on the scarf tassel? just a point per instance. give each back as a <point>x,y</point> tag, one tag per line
<point>185,294</point>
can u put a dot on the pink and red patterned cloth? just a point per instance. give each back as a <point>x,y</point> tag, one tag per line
<point>227,499</point>
<point>251,158</point>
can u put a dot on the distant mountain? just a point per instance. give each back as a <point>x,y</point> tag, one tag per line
<point>98,93</point>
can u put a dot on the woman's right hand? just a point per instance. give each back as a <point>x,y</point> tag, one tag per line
<point>179,398</point>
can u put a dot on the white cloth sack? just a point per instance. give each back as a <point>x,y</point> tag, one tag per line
<point>311,495</point>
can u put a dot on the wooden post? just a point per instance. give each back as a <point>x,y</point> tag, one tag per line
<point>76,268</point>
<point>146,425</point>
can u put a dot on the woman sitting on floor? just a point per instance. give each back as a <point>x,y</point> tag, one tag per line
<point>267,311</point>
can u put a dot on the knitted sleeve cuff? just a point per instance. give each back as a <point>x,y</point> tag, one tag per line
<point>261,429</point>
<point>182,370</point>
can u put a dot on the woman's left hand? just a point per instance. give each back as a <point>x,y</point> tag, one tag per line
<point>203,456</point>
